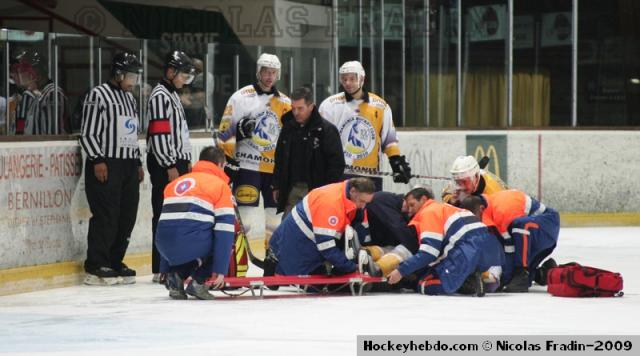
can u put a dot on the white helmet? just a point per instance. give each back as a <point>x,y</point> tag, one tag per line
<point>353,67</point>
<point>268,61</point>
<point>464,167</point>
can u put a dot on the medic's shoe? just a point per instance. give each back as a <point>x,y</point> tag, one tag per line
<point>200,291</point>
<point>543,270</point>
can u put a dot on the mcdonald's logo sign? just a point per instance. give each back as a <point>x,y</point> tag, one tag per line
<point>492,146</point>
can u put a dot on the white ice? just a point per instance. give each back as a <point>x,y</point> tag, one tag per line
<point>140,319</point>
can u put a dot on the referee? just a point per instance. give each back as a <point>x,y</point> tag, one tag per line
<point>113,171</point>
<point>169,150</point>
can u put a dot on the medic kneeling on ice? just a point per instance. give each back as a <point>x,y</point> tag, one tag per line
<point>455,246</point>
<point>196,228</point>
<point>311,234</point>
<point>529,230</point>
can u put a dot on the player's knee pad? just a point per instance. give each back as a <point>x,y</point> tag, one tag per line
<point>388,263</point>
<point>375,251</point>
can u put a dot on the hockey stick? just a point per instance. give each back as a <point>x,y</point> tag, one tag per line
<point>255,260</point>
<point>484,161</point>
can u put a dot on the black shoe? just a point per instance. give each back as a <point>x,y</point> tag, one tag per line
<point>270,264</point>
<point>175,285</point>
<point>519,283</point>
<point>543,270</point>
<point>126,274</point>
<point>101,276</point>
<point>468,287</point>
<point>473,285</point>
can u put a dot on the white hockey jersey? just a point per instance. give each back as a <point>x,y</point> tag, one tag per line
<point>255,153</point>
<point>366,130</point>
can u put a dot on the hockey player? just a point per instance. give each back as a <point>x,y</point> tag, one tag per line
<point>529,230</point>
<point>454,244</point>
<point>390,240</point>
<point>42,101</point>
<point>196,227</point>
<point>249,131</point>
<point>308,236</point>
<point>469,179</point>
<point>366,127</point>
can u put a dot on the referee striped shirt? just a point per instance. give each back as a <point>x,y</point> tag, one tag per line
<point>47,108</point>
<point>110,124</point>
<point>27,114</point>
<point>168,133</point>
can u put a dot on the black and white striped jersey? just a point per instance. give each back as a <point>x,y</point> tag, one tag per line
<point>110,124</point>
<point>27,122</point>
<point>47,105</point>
<point>168,133</point>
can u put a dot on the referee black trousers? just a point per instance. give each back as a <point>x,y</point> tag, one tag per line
<point>114,206</point>
<point>159,180</point>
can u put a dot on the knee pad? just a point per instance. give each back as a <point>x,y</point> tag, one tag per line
<point>375,251</point>
<point>388,263</point>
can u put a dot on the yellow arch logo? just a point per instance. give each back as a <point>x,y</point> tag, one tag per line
<point>492,153</point>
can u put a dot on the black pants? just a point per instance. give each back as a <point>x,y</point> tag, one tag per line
<point>159,180</point>
<point>114,206</point>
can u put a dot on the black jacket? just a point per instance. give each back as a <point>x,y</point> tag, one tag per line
<point>387,224</point>
<point>323,148</point>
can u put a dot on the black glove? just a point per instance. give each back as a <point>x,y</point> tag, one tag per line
<point>401,169</point>
<point>245,128</point>
<point>231,168</point>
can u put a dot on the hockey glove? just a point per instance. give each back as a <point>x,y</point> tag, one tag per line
<point>245,128</point>
<point>231,168</point>
<point>401,169</point>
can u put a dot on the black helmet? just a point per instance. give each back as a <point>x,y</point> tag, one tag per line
<point>125,62</point>
<point>180,61</point>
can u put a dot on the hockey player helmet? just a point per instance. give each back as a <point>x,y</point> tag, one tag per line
<point>26,65</point>
<point>465,173</point>
<point>354,67</point>
<point>267,60</point>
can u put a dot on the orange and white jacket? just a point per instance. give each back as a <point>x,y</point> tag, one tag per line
<point>439,227</point>
<point>198,218</point>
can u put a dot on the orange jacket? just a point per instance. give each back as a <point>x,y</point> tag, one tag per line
<point>439,227</point>
<point>197,218</point>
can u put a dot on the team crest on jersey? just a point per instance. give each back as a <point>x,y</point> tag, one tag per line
<point>265,134</point>
<point>358,137</point>
<point>184,186</point>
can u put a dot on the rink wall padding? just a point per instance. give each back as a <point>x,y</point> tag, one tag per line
<point>591,177</point>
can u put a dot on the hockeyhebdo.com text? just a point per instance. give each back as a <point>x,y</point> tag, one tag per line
<point>496,345</point>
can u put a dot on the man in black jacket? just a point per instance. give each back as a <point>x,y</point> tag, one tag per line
<point>390,240</point>
<point>308,153</point>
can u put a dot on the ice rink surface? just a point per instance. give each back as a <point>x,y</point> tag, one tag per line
<point>140,319</point>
